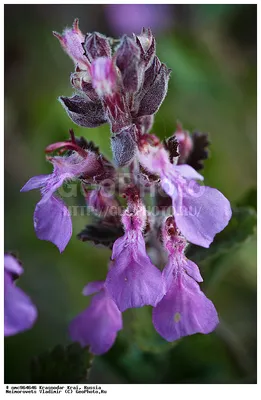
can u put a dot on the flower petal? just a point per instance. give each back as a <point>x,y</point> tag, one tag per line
<point>192,270</point>
<point>93,287</point>
<point>200,216</point>
<point>35,182</point>
<point>176,263</point>
<point>188,172</point>
<point>12,265</point>
<point>97,326</point>
<point>184,310</point>
<point>118,247</point>
<point>20,312</point>
<point>52,222</point>
<point>133,281</point>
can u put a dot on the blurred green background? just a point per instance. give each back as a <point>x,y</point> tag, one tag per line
<point>211,50</point>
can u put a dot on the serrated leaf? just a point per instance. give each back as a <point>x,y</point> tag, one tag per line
<point>241,226</point>
<point>199,152</point>
<point>144,335</point>
<point>70,364</point>
<point>171,145</point>
<point>101,233</point>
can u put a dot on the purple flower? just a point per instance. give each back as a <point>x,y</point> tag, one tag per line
<point>133,281</point>
<point>52,220</point>
<point>97,326</point>
<point>184,310</point>
<point>123,83</point>
<point>128,18</point>
<point>200,211</point>
<point>20,312</point>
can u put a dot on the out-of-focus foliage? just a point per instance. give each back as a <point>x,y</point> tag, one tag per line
<point>212,89</point>
<point>68,364</point>
<point>241,226</point>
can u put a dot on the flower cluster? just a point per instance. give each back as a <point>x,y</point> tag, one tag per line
<point>123,83</point>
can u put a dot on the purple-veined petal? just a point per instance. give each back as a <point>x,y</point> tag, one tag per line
<point>188,172</point>
<point>192,270</point>
<point>19,311</point>
<point>169,187</point>
<point>184,310</point>
<point>170,271</point>
<point>201,214</point>
<point>118,247</point>
<point>176,263</point>
<point>12,265</point>
<point>52,222</point>
<point>93,287</point>
<point>97,326</point>
<point>133,281</point>
<point>35,182</point>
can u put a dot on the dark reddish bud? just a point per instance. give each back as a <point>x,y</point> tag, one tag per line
<point>147,44</point>
<point>96,45</point>
<point>127,58</point>
<point>71,40</point>
<point>84,112</point>
<point>151,73</point>
<point>154,96</point>
<point>124,146</point>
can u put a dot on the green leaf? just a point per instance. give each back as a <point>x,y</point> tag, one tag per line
<point>143,333</point>
<point>249,200</point>
<point>240,228</point>
<point>69,364</point>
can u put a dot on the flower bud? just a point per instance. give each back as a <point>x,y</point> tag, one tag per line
<point>127,58</point>
<point>147,44</point>
<point>154,96</point>
<point>124,146</point>
<point>84,112</point>
<point>96,45</point>
<point>71,41</point>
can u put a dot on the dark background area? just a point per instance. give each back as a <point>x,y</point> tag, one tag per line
<point>211,50</point>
